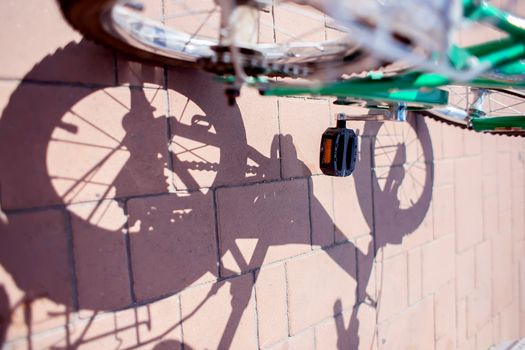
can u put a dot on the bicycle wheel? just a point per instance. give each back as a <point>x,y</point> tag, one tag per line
<point>202,32</point>
<point>472,108</point>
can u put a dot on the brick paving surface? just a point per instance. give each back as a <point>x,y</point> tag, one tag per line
<point>143,212</point>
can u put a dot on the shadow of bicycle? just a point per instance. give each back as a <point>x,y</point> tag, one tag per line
<point>111,195</point>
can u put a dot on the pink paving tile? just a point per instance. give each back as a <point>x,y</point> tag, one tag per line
<point>43,46</point>
<point>517,209</point>
<point>214,144</point>
<point>353,199</point>
<point>445,312</point>
<point>515,281</point>
<point>438,263</point>
<point>401,229</point>
<point>100,255</point>
<point>469,344</point>
<point>392,286</point>
<point>443,207</point>
<point>522,285</point>
<point>489,153</point>
<point>14,328</point>
<point>435,129</point>
<point>490,206</point>
<point>159,323</point>
<point>301,341</point>
<point>509,326</point>
<point>468,196</point>
<point>271,305</point>
<point>518,252</point>
<point>517,156</point>
<point>414,276</point>
<point>156,325</point>
<point>465,272</point>
<point>367,332</point>
<point>353,329</point>
<point>165,233</point>
<point>443,173</point>
<point>461,322</point>
<point>322,210</point>
<point>503,144</point>
<point>472,142</point>
<point>496,328</point>
<point>366,268</point>
<point>302,122</point>
<point>416,321</point>
<point>446,343</point>
<point>320,285</point>
<point>262,223</point>
<point>484,337</point>
<point>502,280</point>
<point>35,273</point>
<point>47,340</point>
<point>483,263</point>
<point>522,323</point>
<point>220,316</point>
<point>479,310</point>
<point>504,193</point>
<point>260,118</point>
<point>453,144</point>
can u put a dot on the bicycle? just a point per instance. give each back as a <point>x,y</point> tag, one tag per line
<point>355,67</point>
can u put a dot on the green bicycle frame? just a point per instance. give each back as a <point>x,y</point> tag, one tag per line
<point>503,57</point>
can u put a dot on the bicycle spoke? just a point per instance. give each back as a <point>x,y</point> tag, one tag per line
<point>504,106</point>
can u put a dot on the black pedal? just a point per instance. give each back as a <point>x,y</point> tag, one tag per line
<point>338,150</point>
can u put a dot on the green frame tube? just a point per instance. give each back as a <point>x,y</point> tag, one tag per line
<point>505,57</point>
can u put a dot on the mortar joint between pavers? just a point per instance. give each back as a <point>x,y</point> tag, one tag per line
<point>129,260</point>
<point>71,258</point>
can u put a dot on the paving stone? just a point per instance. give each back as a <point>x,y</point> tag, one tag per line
<point>100,255</point>
<point>438,264</point>
<point>392,286</point>
<point>329,288</point>
<point>445,312</point>
<point>272,310</point>
<point>322,210</point>
<point>468,192</point>
<point>174,236</point>
<point>220,316</point>
<point>50,50</point>
<point>418,321</point>
<point>36,283</point>
<point>300,145</point>
<point>262,223</point>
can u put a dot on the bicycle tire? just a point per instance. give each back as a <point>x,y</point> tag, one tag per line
<point>441,114</point>
<point>91,19</point>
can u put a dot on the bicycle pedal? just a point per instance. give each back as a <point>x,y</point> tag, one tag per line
<point>338,156</point>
